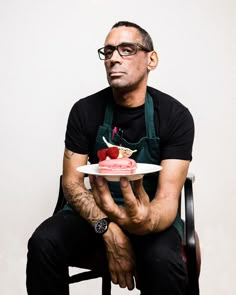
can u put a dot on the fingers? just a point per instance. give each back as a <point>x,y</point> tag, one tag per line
<point>101,192</point>
<point>126,280</point>
<point>114,277</point>
<point>102,196</point>
<point>135,194</point>
<point>123,280</point>
<point>139,191</point>
<point>127,192</point>
<point>130,281</point>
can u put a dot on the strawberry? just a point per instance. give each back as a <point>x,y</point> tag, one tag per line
<point>102,154</point>
<point>113,152</point>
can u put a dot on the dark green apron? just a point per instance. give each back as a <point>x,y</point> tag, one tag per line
<point>148,151</point>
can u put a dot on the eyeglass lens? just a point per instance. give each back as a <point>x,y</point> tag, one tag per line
<point>124,49</point>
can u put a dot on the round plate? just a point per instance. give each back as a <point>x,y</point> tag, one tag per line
<point>142,169</point>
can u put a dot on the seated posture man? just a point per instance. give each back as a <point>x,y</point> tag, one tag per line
<point>142,241</point>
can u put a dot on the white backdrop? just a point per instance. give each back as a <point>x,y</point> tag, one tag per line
<point>48,60</point>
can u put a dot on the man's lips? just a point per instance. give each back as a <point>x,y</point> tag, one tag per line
<point>116,73</point>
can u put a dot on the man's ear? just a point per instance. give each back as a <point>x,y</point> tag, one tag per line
<point>153,61</point>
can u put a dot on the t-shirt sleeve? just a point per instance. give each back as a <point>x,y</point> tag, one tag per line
<point>179,141</point>
<point>76,139</point>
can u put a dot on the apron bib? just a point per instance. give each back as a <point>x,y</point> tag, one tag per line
<point>148,151</point>
<point>148,147</point>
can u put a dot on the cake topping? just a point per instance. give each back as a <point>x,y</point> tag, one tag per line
<point>113,152</point>
<point>123,151</point>
<point>102,154</point>
<point>109,153</point>
<point>115,160</point>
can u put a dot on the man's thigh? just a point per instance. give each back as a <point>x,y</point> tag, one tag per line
<point>76,238</point>
<point>160,268</point>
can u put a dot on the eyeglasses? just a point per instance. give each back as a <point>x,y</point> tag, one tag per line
<point>124,49</point>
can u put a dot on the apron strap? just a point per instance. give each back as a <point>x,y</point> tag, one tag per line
<point>149,116</point>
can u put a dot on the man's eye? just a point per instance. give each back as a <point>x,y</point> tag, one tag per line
<point>127,49</point>
<point>108,51</point>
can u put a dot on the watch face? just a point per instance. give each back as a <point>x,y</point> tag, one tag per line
<point>101,226</point>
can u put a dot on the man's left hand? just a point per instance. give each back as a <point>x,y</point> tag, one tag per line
<point>135,215</point>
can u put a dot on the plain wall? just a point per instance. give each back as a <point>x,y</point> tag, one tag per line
<point>48,60</point>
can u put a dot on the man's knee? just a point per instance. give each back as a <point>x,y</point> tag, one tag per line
<point>39,245</point>
<point>162,271</point>
<point>45,240</point>
<point>161,258</point>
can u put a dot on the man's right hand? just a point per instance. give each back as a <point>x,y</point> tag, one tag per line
<point>121,259</point>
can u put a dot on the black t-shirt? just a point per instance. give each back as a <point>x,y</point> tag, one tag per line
<point>173,123</point>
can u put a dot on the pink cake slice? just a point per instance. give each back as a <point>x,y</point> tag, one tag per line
<point>117,166</point>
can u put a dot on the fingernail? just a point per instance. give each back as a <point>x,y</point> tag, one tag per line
<point>99,180</point>
<point>123,182</point>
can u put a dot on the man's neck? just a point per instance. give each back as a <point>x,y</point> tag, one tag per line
<point>130,99</point>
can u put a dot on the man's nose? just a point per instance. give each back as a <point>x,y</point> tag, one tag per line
<point>115,56</point>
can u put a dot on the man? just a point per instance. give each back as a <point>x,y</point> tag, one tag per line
<point>141,241</point>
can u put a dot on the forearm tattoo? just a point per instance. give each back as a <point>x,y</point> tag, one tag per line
<point>82,200</point>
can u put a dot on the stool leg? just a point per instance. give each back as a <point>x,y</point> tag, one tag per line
<point>106,285</point>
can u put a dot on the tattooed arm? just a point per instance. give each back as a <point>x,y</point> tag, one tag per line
<point>120,255</point>
<point>75,191</point>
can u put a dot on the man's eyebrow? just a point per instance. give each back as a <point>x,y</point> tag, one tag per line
<point>123,42</point>
<point>109,45</point>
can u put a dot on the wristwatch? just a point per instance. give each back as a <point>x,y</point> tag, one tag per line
<point>101,226</point>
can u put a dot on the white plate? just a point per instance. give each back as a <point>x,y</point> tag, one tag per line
<point>142,169</point>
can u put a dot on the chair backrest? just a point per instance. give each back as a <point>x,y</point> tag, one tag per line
<point>191,242</point>
<point>191,245</point>
<point>61,201</point>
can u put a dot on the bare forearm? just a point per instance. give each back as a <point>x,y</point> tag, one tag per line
<point>162,213</point>
<point>165,204</point>
<point>81,199</point>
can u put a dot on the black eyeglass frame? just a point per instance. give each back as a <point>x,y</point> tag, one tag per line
<point>113,48</point>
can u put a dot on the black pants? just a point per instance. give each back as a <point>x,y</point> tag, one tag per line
<point>66,239</point>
